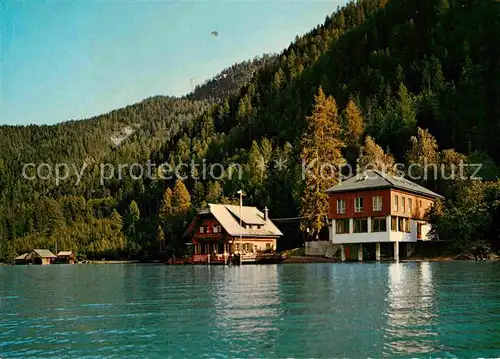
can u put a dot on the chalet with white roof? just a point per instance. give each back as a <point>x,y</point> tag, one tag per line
<point>221,229</point>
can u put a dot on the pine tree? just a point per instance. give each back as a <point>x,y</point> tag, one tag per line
<point>133,217</point>
<point>256,166</point>
<point>133,214</point>
<point>160,238</point>
<point>322,159</point>
<point>214,192</point>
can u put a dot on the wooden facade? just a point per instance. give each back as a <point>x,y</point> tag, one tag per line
<point>216,234</point>
<point>65,257</point>
<point>211,238</point>
<point>40,257</point>
<point>373,208</point>
<point>409,205</point>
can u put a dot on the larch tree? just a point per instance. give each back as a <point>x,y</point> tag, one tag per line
<point>353,129</point>
<point>372,156</point>
<point>166,206</point>
<point>116,221</point>
<point>181,199</point>
<point>423,157</point>
<point>321,161</point>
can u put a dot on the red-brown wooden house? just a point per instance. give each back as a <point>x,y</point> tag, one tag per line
<point>216,231</point>
<point>376,207</point>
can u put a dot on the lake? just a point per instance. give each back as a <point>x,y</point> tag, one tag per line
<point>326,310</point>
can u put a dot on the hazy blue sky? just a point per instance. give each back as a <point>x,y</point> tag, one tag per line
<point>63,59</point>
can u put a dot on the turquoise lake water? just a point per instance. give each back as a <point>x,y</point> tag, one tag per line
<point>277,311</point>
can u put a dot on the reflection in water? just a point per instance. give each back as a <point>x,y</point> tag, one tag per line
<point>246,305</point>
<point>410,310</point>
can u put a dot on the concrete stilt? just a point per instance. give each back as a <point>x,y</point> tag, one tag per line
<point>409,249</point>
<point>377,251</point>
<point>360,252</point>
<point>396,251</point>
<point>342,253</point>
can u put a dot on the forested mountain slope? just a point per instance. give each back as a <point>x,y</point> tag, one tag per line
<point>392,67</point>
<point>229,81</point>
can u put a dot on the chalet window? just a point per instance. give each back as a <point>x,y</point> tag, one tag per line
<point>342,226</point>
<point>394,223</point>
<point>410,205</point>
<point>268,245</point>
<point>377,203</point>
<point>358,204</point>
<point>216,229</point>
<point>379,224</point>
<point>340,206</point>
<point>396,204</point>
<point>403,203</point>
<point>407,225</point>
<point>360,225</point>
<point>202,229</point>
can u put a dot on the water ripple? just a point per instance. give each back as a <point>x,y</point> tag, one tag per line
<point>288,311</point>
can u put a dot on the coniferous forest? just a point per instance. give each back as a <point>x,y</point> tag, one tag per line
<point>387,81</point>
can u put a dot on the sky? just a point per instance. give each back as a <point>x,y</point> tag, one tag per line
<point>73,59</point>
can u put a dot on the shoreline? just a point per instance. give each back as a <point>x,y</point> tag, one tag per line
<point>111,262</point>
<point>456,258</point>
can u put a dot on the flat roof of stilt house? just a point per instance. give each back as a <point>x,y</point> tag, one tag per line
<point>374,179</point>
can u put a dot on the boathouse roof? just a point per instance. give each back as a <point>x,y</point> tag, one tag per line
<point>21,257</point>
<point>65,253</point>
<point>42,253</point>
<point>373,179</point>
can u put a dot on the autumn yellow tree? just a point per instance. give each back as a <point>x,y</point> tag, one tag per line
<point>181,199</point>
<point>321,160</point>
<point>372,156</point>
<point>353,129</point>
<point>166,205</point>
<point>423,157</point>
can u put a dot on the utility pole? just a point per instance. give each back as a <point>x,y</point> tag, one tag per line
<point>240,192</point>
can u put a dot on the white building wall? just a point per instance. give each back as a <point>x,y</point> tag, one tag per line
<point>426,228</point>
<point>374,237</point>
<point>370,237</point>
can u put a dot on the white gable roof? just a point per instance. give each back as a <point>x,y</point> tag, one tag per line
<point>229,218</point>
